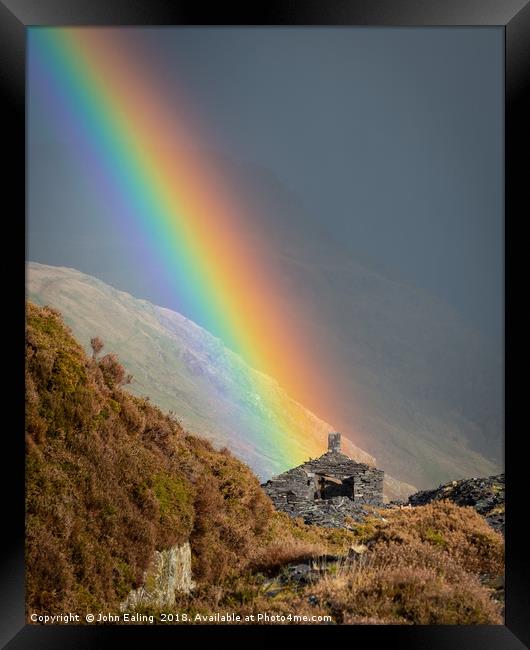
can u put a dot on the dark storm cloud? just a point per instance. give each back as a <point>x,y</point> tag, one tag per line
<point>392,139</point>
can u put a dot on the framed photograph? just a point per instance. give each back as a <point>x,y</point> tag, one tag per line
<point>263,257</point>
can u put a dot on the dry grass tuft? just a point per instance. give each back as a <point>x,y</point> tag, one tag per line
<point>411,594</point>
<point>460,532</point>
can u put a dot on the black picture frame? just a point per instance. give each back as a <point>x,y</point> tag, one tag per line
<point>15,17</point>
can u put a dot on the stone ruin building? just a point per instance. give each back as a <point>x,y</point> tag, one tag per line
<point>326,490</point>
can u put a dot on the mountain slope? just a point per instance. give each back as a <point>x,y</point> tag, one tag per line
<point>182,368</point>
<point>414,384</point>
<point>421,387</point>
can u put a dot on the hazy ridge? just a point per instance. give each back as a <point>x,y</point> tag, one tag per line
<point>182,368</point>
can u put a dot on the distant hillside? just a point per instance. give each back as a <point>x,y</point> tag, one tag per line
<point>421,391</point>
<point>421,387</point>
<point>417,386</point>
<point>182,368</point>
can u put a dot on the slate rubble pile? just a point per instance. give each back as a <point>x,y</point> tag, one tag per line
<point>485,495</point>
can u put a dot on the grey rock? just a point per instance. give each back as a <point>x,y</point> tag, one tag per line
<point>299,573</point>
<point>168,574</point>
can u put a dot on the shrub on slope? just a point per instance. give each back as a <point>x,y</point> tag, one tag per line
<point>424,565</point>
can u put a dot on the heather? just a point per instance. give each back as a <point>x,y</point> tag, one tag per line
<point>110,479</point>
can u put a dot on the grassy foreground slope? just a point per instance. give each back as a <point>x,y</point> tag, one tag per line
<point>110,479</point>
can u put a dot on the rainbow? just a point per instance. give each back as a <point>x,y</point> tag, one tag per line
<point>140,151</point>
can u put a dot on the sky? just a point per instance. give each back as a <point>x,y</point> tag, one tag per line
<point>392,140</point>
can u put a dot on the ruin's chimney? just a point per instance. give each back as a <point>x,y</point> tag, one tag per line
<point>334,441</point>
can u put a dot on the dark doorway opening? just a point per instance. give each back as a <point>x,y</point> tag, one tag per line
<point>329,486</point>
